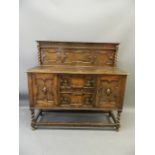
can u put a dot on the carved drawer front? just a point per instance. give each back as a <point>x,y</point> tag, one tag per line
<point>76,99</point>
<point>44,86</point>
<point>76,90</point>
<point>76,81</point>
<point>108,91</point>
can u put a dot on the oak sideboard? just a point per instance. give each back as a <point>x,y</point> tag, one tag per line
<point>76,77</point>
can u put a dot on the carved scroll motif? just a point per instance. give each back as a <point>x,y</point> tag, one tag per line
<point>77,57</point>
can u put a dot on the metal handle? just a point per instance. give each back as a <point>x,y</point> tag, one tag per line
<point>108,91</point>
<point>44,90</point>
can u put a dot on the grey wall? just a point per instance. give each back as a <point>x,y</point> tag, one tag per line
<point>77,20</point>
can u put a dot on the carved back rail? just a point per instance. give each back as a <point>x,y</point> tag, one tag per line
<point>78,54</point>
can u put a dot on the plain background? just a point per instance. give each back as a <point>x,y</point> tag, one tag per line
<point>77,20</point>
<point>9,38</point>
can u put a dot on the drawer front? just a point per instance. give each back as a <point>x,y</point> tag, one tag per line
<point>76,100</point>
<point>110,91</point>
<point>76,81</point>
<point>45,90</point>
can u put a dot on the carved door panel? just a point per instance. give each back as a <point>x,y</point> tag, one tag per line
<point>108,91</point>
<point>45,90</point>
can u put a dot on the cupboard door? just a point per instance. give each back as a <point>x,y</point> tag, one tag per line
<point>45,90</point>
<point>110,91</point>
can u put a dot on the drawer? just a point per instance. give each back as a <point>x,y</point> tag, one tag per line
<point>44,89</point>
<point>76,99</point>
<point>76,81</point>
<point>109,91</point>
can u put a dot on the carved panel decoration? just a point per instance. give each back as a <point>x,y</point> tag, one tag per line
<point>73,56</point>
<point>77,81</point>
<point>45,93</point>
<point>105,58</point>
<point>50,56</point>
<point>108,92</point>
<point>81,57</point>
<point>77,90</point>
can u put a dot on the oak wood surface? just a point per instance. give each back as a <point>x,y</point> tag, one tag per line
<point>77,70</point>
<point>76,76</point>
<point>76,53</point>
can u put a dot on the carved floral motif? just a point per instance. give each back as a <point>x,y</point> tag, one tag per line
<point>77,57</point>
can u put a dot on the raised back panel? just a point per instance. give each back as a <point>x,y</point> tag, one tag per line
<point>75,53</point>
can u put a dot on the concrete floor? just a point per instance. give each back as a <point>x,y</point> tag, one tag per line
<point>76,142</point>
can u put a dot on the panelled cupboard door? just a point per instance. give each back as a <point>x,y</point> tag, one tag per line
<point>110,91</point>
<point>45,90</point>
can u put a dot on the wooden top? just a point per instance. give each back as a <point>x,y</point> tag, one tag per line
<point>77,70</point>
<point>44,43</point>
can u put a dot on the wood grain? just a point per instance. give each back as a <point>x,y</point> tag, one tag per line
<point>76,76</point>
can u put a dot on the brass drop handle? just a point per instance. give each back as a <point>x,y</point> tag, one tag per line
<point>108,91</point>
<point>44,90</point>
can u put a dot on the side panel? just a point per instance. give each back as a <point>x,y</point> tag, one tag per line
<point>30,89</point>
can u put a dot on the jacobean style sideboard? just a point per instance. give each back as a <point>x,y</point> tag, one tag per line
<point>76,77</point>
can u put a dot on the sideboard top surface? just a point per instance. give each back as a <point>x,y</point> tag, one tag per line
<point>77,70</point>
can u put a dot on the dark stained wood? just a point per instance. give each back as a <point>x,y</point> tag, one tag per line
<point>76,76</point>
<point>81,54</point>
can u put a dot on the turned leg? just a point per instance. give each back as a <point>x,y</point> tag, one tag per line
<point>41,112</point>
<point>118,119</point>
<point>33,119</point>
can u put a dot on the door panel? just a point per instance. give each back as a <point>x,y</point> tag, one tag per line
<point>45,92</point>
<point>108,91</point>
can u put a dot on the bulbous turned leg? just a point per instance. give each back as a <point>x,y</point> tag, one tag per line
<point>118,119</point>
<point>33,119</point>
